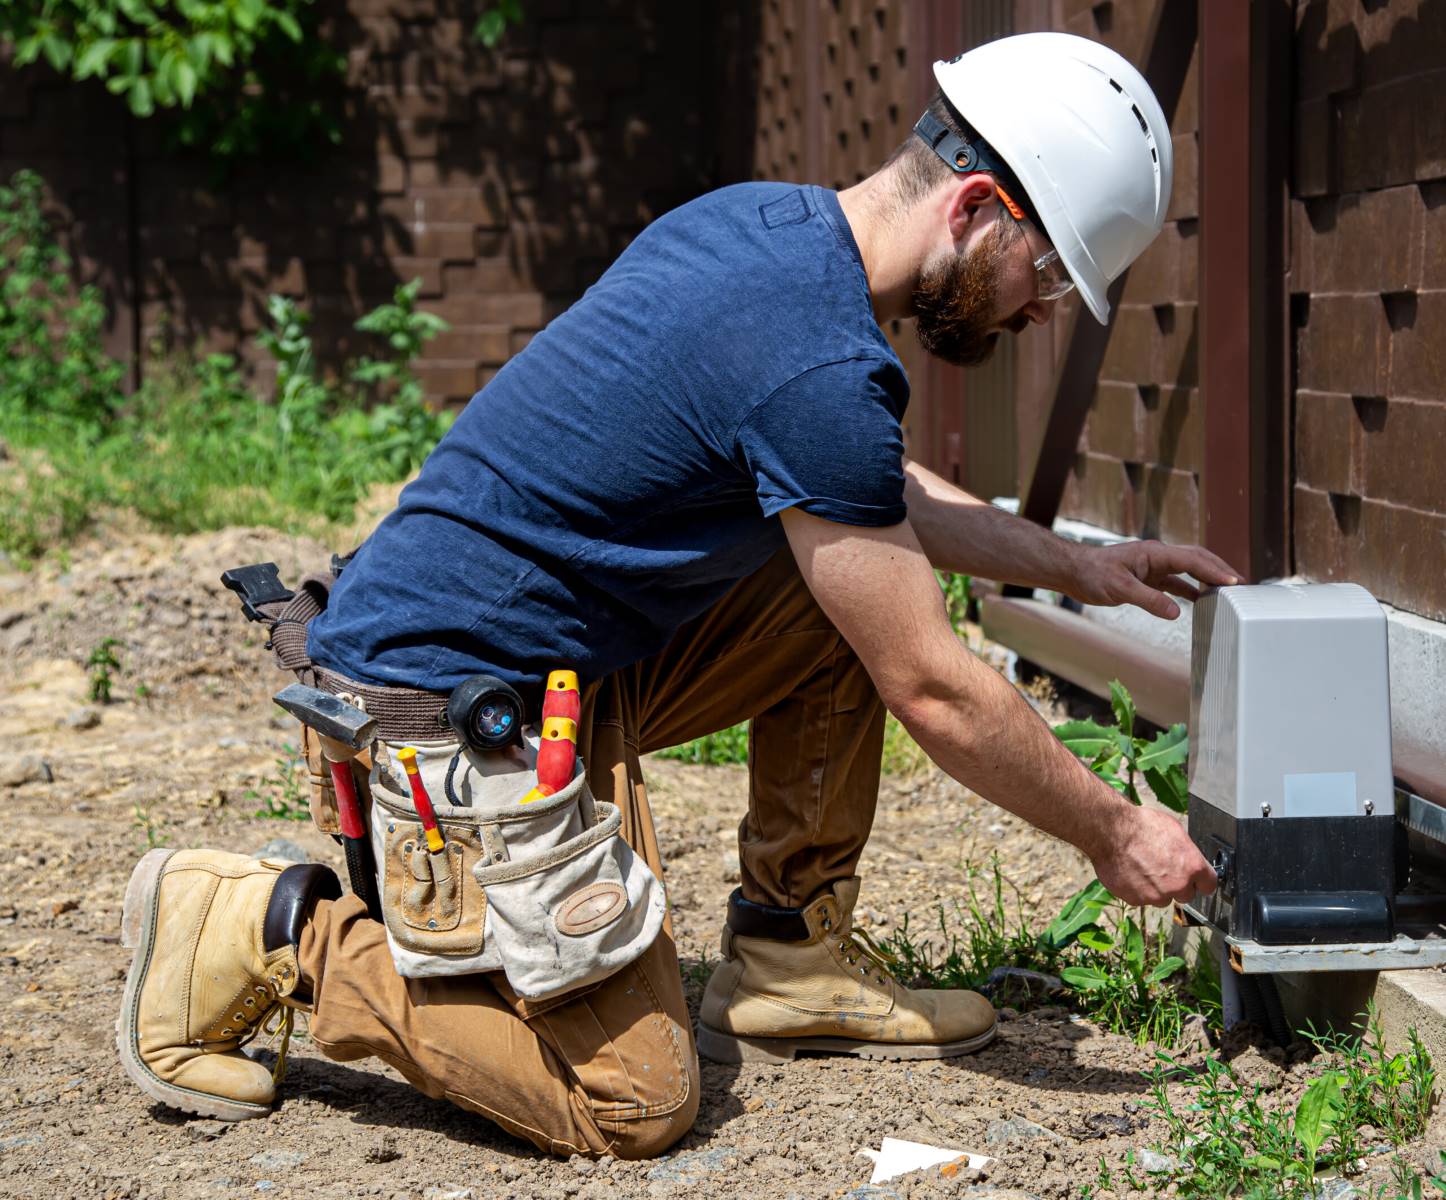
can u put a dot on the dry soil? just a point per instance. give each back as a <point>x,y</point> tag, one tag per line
<point>182,752</point>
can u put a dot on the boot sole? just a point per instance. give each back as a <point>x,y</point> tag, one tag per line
<point>720,1047</point>
<point>138,930</point>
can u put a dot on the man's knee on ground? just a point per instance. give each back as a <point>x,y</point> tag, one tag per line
<point>648,1137</point>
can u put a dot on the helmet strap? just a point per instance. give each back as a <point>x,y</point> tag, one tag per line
<point>962,156</point>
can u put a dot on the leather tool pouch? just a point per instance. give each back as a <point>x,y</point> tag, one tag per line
<point>546,892</point>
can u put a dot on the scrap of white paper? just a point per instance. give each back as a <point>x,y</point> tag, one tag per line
<point>897,1157</point>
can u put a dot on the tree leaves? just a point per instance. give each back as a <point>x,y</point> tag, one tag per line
<point>242,72</point>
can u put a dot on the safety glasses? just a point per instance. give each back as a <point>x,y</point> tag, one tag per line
<point>1054,280</point>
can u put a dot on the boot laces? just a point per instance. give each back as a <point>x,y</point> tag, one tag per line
<point>271,1015</point>
<point>859,950</point>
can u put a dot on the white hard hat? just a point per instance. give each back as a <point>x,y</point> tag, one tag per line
<point>1087,139</point>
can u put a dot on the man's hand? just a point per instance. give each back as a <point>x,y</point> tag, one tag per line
<point>1141,573</point>
<point>1151,860</point>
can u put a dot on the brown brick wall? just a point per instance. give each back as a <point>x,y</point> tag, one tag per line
<point>1368,276</point>
<point>505,181</point>
<point>1139,459</point>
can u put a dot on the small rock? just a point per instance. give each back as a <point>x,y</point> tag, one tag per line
<point>865,918</point>
<point>1153,1162</point>
<point>9,960</point>
<point>384,1151</point>
<point>1337,1189</point>
<point>835,1098</point>
<point>753,1104</point>
<point>277,1160</point>
<point>82,718</point>
<point>447,1193</point>
<point>176,618</point>
<point>63,906</point>
<point>692,1166</point>
<point>230,743</point>
<point>728,866</point>
<point>265,1185</point>
<point>1007,1014</point>
<point>283,848</point>
<point>14,1143</point>
<point>582,1164</point>
<point>25,768</point>
<point>207,1131</point>
<point>1018,1127</point>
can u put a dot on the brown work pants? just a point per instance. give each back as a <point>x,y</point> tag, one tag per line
<point>612,1069</point>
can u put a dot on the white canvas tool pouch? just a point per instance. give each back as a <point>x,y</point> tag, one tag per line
<point>546,892</point>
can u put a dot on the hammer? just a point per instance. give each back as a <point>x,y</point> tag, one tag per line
<point>344,731</point>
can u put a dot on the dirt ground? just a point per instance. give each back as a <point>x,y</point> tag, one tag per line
<point>191,735</point>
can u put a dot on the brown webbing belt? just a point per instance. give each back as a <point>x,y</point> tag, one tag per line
<point>402,714</point>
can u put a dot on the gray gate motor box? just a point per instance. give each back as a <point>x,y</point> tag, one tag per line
<point>1291,793</point>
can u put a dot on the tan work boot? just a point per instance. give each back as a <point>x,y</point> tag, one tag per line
<point>215,936</point>
<point>800,979</point>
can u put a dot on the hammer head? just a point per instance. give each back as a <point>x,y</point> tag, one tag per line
<point>328,715</point>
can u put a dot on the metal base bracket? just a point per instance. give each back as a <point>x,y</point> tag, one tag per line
<point>1247,957</point>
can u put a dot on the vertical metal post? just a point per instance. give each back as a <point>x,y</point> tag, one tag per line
<point>1244,385</point>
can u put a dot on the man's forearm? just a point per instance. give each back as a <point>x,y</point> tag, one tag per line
<point>981,731</point>
<point>964,534</point>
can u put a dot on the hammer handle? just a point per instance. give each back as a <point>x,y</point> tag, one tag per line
<point>348,808</point>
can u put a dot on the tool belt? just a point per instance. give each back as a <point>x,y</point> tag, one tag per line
<point>547,892</point>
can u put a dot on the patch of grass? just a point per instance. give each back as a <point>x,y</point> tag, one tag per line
<point>987,930</point>
<point>726,747</point>
<point>196,447</point>
<point>1111,969</point>
<point>282,797</point>
<point>1226,1138</point>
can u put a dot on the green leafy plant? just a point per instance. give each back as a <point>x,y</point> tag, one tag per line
<point>958,595</point>
<point>1121,759</point>
<point>237,74</point>
<point>148,826</point>
<point>102,661</point>
<point>1229,1139</point>
<point>281,796</point>
<point>51,361</point>
<point>494,19</point>
<point>1122,979</point>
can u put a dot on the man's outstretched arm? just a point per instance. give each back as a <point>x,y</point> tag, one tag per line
<point>877,587</point>
<point>962,533</point>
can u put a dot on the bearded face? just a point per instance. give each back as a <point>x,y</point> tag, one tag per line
<point>957,296</point>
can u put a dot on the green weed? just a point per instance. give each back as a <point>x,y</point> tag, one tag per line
<point>987,931</point>
<point>1121,759</point>
<point>1230,1139</point>
<point>148,826</point>
<point>281,797</point>
<point>102,662</point>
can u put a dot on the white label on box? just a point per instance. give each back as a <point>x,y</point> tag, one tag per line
<point>1322,794</point>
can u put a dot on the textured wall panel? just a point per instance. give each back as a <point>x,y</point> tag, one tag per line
<point>1368,269</point>
<point>505,181</point>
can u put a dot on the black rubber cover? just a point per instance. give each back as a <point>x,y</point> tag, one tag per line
<point>749,919</point>
<point>1310,918</point>
<point>297,889</point>
<point>362,874</point>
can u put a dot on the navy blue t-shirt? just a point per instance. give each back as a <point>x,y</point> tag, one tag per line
<point>628,466</point>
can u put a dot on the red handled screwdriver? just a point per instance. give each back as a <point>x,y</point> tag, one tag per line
<point>423,802</point>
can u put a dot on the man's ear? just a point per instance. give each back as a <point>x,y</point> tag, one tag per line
<point>972,199</point>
